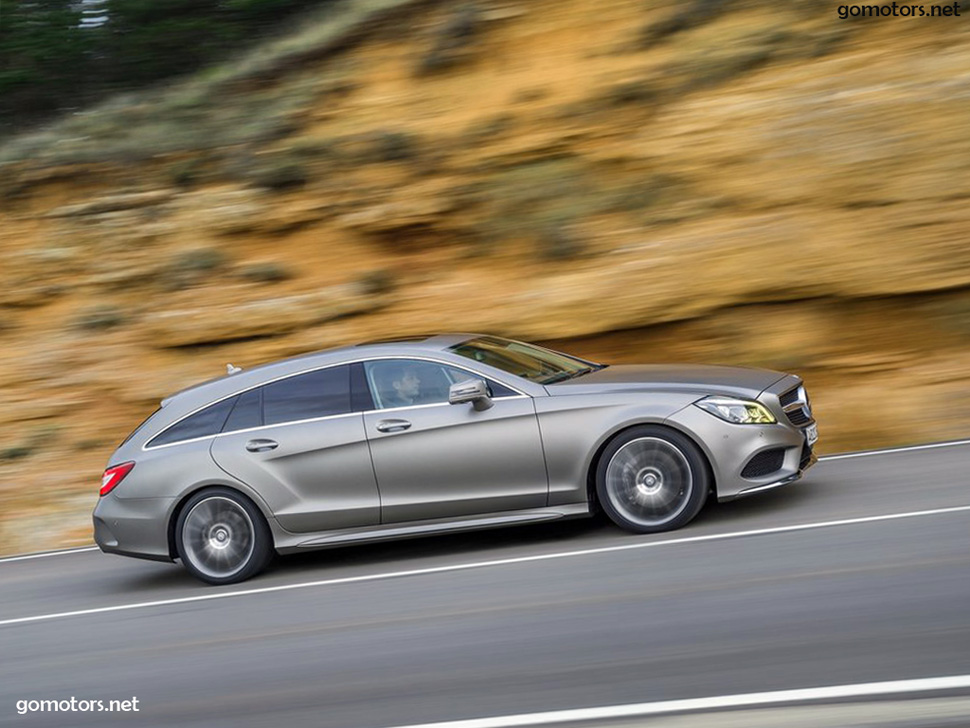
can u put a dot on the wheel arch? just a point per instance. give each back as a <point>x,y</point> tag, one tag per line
<point>199,487</point>
<point>591,496</point>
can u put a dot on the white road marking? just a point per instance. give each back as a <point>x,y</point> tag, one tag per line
<point>892,450</point>
<point>861,690</point>
<point>44,554</point>
<point>841,456</point>
<point>483,564</point>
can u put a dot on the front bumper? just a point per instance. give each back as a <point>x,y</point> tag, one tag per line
<point>808,460</point>
<point>133,526</point>
<point>730,447</point>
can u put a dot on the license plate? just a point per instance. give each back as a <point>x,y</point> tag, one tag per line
<point>811,434</point>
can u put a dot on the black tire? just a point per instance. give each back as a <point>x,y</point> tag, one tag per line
<point>651,479</point>
<point>222,538</point>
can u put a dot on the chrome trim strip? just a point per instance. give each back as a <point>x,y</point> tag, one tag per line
<point>145,448</point>
<point>313,419</point>
<point>248,429</point>
<point>397,530</point>
<point>435,404</point>
<point>768,486</point>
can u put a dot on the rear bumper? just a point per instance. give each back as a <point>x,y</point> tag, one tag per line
<point>133,526</point>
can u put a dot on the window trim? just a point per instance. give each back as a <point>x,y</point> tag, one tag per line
<point>145,448</point>
<point>375,398</point>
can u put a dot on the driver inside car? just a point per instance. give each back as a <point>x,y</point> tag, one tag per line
<point>405,388</point>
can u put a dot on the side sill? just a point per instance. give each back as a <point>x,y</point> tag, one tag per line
<point>388,532</point>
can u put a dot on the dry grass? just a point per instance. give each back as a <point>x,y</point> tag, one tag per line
<point>207,110</point>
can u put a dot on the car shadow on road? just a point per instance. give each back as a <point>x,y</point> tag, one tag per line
<point>489,544</point>
<point>761,511</point>
<point>757,511</point>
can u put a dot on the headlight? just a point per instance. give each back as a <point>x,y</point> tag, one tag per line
<point>738,411</point>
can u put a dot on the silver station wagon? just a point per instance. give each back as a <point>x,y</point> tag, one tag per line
<point>439,434</point>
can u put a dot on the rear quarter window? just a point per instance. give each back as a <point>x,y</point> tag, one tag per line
<point>205,422</point>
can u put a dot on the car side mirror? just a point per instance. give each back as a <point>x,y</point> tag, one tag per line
<point>471,390</point>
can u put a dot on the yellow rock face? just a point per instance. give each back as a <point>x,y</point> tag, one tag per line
<point>764,185</point>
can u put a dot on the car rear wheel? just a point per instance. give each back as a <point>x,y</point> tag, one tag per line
<point>652,479</point>
<point>222,537</point>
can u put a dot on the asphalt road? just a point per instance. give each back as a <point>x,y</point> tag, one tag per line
<point>403,633</point>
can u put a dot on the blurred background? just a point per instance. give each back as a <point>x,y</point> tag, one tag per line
<point>186,183</point>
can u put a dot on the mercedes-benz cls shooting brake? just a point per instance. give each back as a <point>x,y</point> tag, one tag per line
<point>439,434</point>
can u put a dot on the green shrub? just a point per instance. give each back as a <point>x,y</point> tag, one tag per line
<point>376,282</point>
<point>15,452</point>
<point>393,146</point>
<point>559,242</point>
<point>190,267</point>
<point>187,173</point>
<point>265,272</point>
<point>200,260</point>
<point>280,175</point>
<point>484,130</point>
<point>453,41</point>
<point>534,200</point>
<point>39,438</point>
<point>691,15</point>
<point>100,318</point>
<point>631,92</point>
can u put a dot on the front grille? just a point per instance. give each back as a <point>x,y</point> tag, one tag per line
<point>806,457</point>
<point>764,463</point>
<point>796,405</point>
<point>789,397</point>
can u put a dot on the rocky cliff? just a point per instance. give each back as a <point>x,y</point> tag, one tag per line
<point>727,182</point>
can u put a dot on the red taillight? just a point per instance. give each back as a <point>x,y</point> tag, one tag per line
<point>113,476</point>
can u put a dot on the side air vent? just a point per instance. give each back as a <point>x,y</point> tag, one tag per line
<point>764,463</point>
<point>806,457</point>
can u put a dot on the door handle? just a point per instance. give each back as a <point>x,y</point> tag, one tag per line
<point>392,425</point>
<point>261,445</point>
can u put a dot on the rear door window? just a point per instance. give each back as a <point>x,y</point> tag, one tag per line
<point>322,393</point>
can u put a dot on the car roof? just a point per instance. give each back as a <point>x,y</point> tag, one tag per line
<point>228,384</point>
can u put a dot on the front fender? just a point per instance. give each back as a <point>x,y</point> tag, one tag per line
<point>575,428</point>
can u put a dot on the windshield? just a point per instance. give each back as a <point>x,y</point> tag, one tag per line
<point>524,360</point>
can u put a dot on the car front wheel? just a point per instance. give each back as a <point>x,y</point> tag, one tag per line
<point>652,479</point>
<point>222,537</point>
